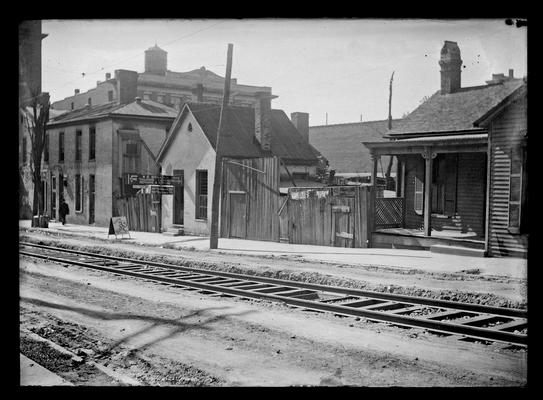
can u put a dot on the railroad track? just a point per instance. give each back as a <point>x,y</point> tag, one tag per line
<point>484,323</point>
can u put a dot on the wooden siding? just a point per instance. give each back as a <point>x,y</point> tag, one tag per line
<point>338,218</point>
<point>470,195</point>
<point>262,196</point>
<point>506,133</point>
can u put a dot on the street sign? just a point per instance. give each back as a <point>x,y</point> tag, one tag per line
<point>162,189</point>
<point>139,179</point>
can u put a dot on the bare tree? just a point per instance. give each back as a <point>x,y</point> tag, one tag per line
<point>35,122</point>
<point>391,160</point>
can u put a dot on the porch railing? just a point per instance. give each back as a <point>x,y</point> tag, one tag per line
<point>389,212</point>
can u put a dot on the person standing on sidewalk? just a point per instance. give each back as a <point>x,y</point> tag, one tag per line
<point>63,211</point>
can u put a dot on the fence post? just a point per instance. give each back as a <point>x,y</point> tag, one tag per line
<point>370,210</point>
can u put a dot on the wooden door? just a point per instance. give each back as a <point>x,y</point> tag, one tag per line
<point>178,199</point>
<point>343,225</point>
<point>238,215</point>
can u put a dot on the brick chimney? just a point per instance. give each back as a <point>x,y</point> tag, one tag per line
<point>301,122</point>
<point>108,76</point>
<point>263,119</point>
<point>127,82</point>
<point>76,91</point>
<point>450,64</point>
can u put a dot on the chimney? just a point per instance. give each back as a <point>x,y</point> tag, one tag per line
<point>301,122</point>
<point>108,76</point>
<point>263,119</point>
<point>76,91</point>
<point>511,74</point>
<point>127,82</point>
<point>450,64</point>
<point>138,100</point>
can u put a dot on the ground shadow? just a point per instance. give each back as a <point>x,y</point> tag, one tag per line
<point>177,325</point>
<point>279,252</point>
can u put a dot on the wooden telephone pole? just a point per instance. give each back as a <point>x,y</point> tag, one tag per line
<point>214,236</point>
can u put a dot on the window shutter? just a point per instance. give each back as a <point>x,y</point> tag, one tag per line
<point>419,196</point>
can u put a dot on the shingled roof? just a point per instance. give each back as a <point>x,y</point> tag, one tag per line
<point>238,138</point>
<point>341,144</point>
<point>139,109</point>
<point>454,112</point>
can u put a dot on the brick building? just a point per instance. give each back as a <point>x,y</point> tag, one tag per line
<point>173,89</point>
<point>90,149</point>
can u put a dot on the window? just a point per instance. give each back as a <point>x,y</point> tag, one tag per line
<point>78,193</point>
<point>110,95</point>
<point>24,150</point>
<point>61,147</point>
<point>201,194</point>
<point>89,101</point>
<point>46,148</point>
<point>78,136</point>
<point>72,105</point>
<point>92,143</point>
<point>131,156</point>
<point>517,189</point>
<point>419,196</point>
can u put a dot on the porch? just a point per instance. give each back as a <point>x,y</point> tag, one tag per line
<point>440,201</point>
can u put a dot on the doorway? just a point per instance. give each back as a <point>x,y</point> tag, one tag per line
<point>238,215</point>
<point>178,198</point>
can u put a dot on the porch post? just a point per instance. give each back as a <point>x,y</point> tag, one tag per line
<point>373,195</point>
<point>428,156</point>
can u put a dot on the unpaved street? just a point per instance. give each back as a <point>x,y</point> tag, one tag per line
<point>154,334</point>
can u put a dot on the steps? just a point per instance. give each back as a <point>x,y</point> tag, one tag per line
<point>457,250</point>
<point>174,230</point>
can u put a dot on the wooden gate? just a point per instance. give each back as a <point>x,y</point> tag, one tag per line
<point>329,216</point>
<point>142,211</point>
<point>238,215</point>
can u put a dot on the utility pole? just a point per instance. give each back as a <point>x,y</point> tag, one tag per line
<point>214,236</point>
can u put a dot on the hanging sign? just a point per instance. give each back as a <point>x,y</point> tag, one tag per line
<point>118,226</point>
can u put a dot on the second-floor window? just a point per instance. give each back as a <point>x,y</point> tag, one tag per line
<point>78,137</point>
<point>61,147</point>
<point>92,143</point>
<point>131,156</point>
<point>46,148</point>
<point>110,95</point>
<point>24,150</point>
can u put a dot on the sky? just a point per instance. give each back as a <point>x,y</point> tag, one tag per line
<point>337,70</point>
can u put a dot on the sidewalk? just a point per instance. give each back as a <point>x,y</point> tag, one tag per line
<point>33,374</point>
<point>392,258</point>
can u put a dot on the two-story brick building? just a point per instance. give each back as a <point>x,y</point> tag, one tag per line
<point>89,150</point>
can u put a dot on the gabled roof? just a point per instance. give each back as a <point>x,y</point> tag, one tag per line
<point>237,135</point>
<point>143,108</point>
<point>454,112</point>
<point>341,144</point>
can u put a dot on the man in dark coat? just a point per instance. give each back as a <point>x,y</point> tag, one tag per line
<point>63,211</point>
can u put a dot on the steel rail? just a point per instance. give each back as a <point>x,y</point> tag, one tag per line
<point>383,316</point>
<point>501,311</point>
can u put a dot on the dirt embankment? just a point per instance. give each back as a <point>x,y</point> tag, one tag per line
<point>455,287</point>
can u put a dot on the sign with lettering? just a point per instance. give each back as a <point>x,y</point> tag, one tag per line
<point>162,189</point>
<point>139,179</point>
<point>118,226</point>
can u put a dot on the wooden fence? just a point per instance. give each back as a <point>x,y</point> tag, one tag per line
<point>329,216</point>
<point>389,212</point>
<point>250,199</point>
<point>142,212</point>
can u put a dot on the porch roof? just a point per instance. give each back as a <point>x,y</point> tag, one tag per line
<point>476,142</point>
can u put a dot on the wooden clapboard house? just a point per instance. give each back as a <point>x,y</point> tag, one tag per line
<point>462,162</point>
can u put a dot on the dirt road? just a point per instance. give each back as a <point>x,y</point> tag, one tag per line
<point>154,334</point>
